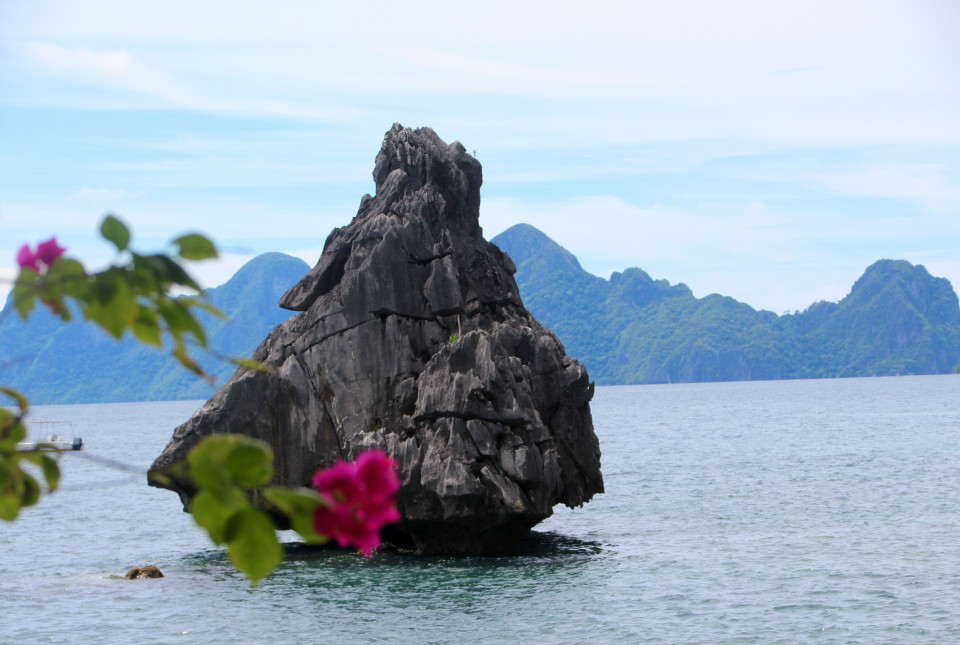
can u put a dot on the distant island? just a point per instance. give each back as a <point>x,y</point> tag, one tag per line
<point>55,362</point>
<point>897,320</point>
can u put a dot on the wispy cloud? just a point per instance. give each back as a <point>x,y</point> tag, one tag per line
<point>771,256</point>
<point>933,186</point>
<point>97,195</point>
<point>109,68</point>
<point>128,81</point>
<point>700,140</point>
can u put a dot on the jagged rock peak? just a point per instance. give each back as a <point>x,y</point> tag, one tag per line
<point>411,161</point>
<point>417,176</point>
<point>413,339</point>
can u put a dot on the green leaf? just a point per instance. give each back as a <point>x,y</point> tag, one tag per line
<point>25,293</point>
<point>180,321</point>
<point>195,247</point>
<point>115,231</point>
<point>252,544</point>
<point>220,461</point>
<point>9,507</point>
<point>67,279</point>
<point>14,432</point>
<point>113,306</point>
<point>30,491</point>
<point>160,478</point>
<point>250,464</point>
<point>150,272</point>
<point>67,270</point>
<point>189,321</point>
<point>212,512</point>
<point>54,302</point>
<point>180,353</point>
<point>21,400</point>
<point>303,524</point>
<point>146,327</point>
<point>298,504</point>
<point>175,273</point>
<point>200,303</point>
<point>51,471</point>
<point>6,472</point>
<point>291,501</point>
<point>251,364</point>
<point>206,459</point>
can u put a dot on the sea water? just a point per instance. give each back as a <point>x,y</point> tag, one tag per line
<point>821,511</point>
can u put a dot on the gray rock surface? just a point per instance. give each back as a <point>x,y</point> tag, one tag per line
<point>413,339</point>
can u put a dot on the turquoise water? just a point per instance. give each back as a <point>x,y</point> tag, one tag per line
<point>823,511</point>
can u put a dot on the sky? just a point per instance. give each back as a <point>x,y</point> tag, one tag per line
<point>768,151</point>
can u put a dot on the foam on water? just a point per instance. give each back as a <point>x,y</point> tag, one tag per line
<point>772,512</point>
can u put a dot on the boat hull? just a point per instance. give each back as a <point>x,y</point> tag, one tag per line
<point>52,445</point>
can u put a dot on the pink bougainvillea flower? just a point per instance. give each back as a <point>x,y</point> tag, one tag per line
<point>361,499</point>
<point>49,252</point>
<point>46,255</point>
<point>27,259</point>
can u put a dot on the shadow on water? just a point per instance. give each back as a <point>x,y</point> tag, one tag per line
<point>545,544</point>
<point>415,598</point>
<point>539,558</point>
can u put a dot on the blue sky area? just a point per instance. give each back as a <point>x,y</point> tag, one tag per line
<point>766,151</point>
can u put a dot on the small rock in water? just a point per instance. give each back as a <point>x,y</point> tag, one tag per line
<point>148,571</point>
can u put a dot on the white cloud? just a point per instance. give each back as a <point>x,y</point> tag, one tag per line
<point>107,63</point>
<point>632,71</point>
<point>764,255</point>
<point>551,94</point>
<point>611,234</point>
<point>213,273</point>
<point>7,275</point>
<point>97,195</point>
<point>924,179</point>
<point>310,254</point>
<point>232,223</point>
<point>111,68</point>
<point>236,171</point>
<point>125,80</point>
<point>933,186</point>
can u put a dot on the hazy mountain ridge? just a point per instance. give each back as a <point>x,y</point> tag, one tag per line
<point>55,362</point>
<point>897,319</point>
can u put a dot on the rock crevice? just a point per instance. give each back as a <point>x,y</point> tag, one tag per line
<point>412,338</point>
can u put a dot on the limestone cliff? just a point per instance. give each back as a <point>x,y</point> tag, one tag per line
<point>413,339</point>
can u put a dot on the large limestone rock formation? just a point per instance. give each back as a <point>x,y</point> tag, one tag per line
<point>413,339</point>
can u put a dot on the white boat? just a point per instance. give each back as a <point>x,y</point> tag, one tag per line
<point>53,442</point>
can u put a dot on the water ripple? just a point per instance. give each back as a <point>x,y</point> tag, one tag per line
<point>820,511</point>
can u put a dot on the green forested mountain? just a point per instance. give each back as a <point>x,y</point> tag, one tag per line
<point>897,319</point>
<point>55,362</point>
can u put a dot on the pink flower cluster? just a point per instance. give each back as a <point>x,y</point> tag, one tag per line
<point>46,255</point>
<point>361,500</point>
